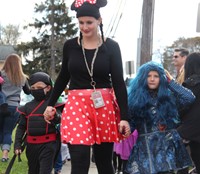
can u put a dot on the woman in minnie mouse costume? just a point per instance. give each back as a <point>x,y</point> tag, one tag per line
<point>93,115</point>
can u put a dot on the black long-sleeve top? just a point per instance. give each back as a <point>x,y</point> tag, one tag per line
<point>108,71</point>
<point>189,128</point>
<point>32,120</point>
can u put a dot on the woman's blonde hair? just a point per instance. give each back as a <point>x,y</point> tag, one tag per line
<point>13,68</point>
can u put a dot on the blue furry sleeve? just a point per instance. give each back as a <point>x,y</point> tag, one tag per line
<point>184,96</point>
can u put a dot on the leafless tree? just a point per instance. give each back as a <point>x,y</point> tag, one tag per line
<point>10,34</point>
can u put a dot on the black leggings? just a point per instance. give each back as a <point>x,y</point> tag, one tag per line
<point>80,158</point>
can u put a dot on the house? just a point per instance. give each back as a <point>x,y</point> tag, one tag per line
<point>5,50</point>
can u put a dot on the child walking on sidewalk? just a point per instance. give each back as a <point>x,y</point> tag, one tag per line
<point>43,140</point>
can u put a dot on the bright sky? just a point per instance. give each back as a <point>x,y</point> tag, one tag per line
<point>172,19</point>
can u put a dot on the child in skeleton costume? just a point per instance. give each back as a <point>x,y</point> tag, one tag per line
<point>154,100</point>
<point>43,140</point>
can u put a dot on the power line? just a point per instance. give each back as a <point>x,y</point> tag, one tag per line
<point>111,22</point>
<point>117,13</point>
<point>120,17</point>
<point>114,18</point>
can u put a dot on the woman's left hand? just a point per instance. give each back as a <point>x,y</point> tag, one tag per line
<point>124,128</point>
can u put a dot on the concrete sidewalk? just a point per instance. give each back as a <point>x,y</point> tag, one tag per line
<point>67,167</point>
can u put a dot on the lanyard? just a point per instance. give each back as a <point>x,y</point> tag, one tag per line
<point>92,83</point>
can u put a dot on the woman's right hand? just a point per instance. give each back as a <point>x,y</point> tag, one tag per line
<point>49,114</point>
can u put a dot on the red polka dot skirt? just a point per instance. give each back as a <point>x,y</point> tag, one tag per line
<point>82,123</point>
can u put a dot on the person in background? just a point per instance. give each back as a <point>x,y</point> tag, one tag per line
<point>179,58</point>
<point>117,161</point>
<point>43,140</point>
<point>124,148</point>
<point>65,153</point>
<point>58,163</point>
<point>154,99</point>
<point>190,129</point>
<point>93,115</point>
<point>3,103</point>
<point>14,82</point>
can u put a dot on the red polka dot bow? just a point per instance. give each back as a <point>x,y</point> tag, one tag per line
<point>78,3</point>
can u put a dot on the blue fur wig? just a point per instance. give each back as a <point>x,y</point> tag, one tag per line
<point>139,97</point>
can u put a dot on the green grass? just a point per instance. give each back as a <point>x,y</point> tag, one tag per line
<point>18,167</point>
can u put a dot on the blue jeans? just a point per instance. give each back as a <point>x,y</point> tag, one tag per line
<point>2,98</point>
<point>7,124</point>
<point>58,163</point>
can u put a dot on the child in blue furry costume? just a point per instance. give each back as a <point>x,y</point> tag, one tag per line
<point>154,113</point>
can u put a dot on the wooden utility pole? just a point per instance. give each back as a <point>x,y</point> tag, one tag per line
<point>147,31</point>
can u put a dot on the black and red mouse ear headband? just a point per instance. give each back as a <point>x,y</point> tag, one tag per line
<point>78,3</point>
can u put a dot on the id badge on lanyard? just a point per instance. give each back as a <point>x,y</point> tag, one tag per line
<point>97,99</point>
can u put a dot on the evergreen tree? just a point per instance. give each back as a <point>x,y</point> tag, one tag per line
<point>54,26</point>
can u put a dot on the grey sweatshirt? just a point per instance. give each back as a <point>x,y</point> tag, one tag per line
<point>11,91</point>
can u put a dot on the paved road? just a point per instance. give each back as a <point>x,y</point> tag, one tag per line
<point>67,166</point>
